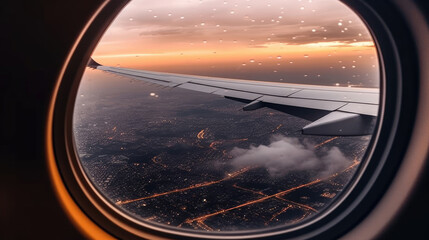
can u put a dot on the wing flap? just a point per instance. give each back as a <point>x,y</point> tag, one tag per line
<point>363,109</point>
<point>303,103</point>
<point>360,97</point>
<point>237,94</point>
<point>197,87</point>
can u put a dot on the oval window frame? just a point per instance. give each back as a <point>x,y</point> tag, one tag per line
<point>67,174</point>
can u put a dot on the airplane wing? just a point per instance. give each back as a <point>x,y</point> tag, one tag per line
<point>337,111</point>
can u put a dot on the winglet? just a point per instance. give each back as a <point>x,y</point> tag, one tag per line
<point>93,64</point>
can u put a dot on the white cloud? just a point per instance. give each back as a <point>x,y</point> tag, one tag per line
<point>284,155</point>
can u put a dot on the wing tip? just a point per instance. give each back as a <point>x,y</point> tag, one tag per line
<point>93,64</point>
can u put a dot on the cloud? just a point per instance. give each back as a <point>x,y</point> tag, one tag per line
<point>290,24</point>
<point>284,155</point>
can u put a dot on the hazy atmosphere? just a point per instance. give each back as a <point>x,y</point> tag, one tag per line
<point>289,40</point>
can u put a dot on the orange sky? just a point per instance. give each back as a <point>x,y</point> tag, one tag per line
<point>279,39</point>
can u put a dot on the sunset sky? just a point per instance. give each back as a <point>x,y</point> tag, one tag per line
<point>300,41</point>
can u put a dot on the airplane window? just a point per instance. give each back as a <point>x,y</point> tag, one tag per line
<point>223,116</point>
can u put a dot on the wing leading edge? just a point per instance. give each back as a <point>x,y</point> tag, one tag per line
<point>335,111</point>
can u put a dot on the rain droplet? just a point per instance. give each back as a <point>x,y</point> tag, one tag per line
<point>279,57</point>
<point>302,8</point>
<point>340,24</point>
<point>131,19</point>
<point>306,56</point>
<point>313,30</point>
<point>182,17</point>
<point>252,60</point>
<point>232,12</point>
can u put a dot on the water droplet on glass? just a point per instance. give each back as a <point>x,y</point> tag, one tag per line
<point>340,24</point>
<point>279,57</point>
<point>313,30</point>
<point>131,19</point>
<point>306,56</point>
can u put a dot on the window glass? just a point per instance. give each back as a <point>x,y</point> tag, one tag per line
<point>195,160</point>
